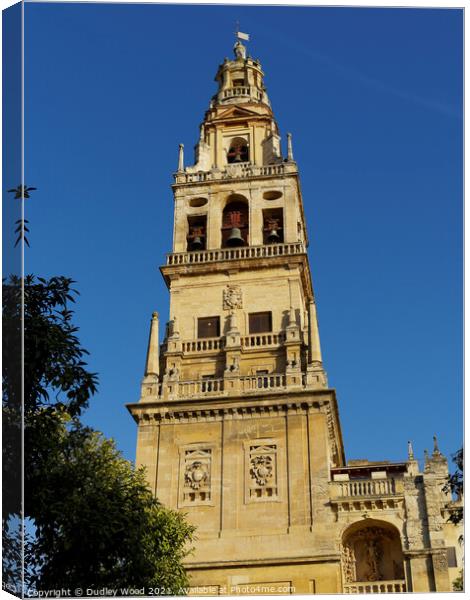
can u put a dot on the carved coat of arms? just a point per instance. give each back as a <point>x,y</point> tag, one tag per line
<point>233,297</point>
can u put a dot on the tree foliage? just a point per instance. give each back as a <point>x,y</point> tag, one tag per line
<point>454,485</point>
<point>96,524</point>
<point>22,192</point>
<point>54,367</point>
<point>457,584</point>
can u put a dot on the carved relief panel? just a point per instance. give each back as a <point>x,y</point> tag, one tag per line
<point>261,471</point>
<point>233,298</point>
<point>195,485</point>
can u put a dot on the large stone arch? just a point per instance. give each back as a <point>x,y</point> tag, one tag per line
<point>372,557</point>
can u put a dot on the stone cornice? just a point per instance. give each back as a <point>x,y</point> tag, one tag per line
<point>215,409</point>
<point>291,560</point>
<point>170,272</point>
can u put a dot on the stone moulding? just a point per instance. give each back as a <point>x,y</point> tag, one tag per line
<point>266,562</point>
<point>233,408</point>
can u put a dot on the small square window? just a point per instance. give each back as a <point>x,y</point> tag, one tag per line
<point>260,322</point>
<point>208,327</point>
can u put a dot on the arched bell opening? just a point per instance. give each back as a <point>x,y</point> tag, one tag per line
<point>197,233</point>
<point>371,552</point>
<point>235,222</point>
<point>273,226</point>
<point>238,151</point>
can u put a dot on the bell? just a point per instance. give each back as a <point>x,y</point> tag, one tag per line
<point>197,244</point>
<point>234,155</point>
<point>273,237</point>
<point>235,238</point>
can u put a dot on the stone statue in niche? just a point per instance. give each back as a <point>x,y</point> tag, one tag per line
<point>233,297</point>
<point>374,554</point>
<point>196,475</point>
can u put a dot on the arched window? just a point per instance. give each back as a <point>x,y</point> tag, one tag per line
<point>235,224</point>
<point>238,151</point>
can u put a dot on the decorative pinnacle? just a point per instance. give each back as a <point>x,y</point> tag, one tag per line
<point>174,328</point>
<point>181,158</point>
<point>154,315</point>
<point>411,455</point>
<point>436,448</point>
<point>290,154</point>
<point>292,320</point>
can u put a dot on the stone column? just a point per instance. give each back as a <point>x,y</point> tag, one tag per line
<point>232,473</point>
<point>147,450</point>
<point>298,471</point>
<point>292,347</point>
<point>319,463</point>
<point>232,356</point>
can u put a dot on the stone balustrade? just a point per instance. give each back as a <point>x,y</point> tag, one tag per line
<point>241,253</point>
<point>249,383</point>
<point>200,388</point>
<point>260,340</point>
<point>236,171</point>
<point>375,587</point>
<point>248,170</point>
<point>203,345</point>
<point>257,340</point>
<point>365,488</point>
<point>241,91</point>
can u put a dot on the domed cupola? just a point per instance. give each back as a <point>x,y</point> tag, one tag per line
<point>240,80</point>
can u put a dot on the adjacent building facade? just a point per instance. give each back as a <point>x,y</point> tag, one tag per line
<point>237,425</point>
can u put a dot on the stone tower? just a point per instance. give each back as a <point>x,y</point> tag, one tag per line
<point>236,423</point>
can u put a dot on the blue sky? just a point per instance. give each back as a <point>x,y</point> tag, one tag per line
<point>373,98</point>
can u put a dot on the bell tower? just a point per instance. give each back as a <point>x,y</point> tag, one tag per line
<point>242,304</point>
<point>237,426</point>
<point>236,423</point>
